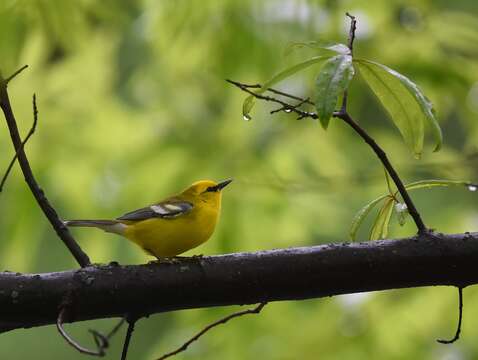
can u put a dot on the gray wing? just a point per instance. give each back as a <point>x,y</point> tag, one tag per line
<point>165,210</point>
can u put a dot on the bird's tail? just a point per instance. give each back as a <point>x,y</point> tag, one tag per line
<point>113,226</point>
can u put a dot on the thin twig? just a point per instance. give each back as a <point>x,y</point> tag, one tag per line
<point>11,77</point>
<point>353,28</point>
<point>59,325</point>
<point>183,347</point>
<point>60,228</point>
<point>289,109</point>
<point>350,45</point>
<point>102,341</point>
<point>272,90</point>
<point>30,133</point>
<point>302,114</point>
<point>460,317</point>
<point>129,332</point>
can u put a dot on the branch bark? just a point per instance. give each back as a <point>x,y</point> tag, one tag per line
<point>29,300</point>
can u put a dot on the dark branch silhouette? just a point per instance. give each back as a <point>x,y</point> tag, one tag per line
<point>460,317</point>
<point>30,300</point>
<point>59,325</point>
<point>129,333</point>
<point>61,230</point>
<point>224,320</point>
<point>11,77</point>
<point>30,133</point>
<point>102,341</point>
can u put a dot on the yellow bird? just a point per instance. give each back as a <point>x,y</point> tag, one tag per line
<point>172,226</point>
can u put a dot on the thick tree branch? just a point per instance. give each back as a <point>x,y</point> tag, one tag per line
<point>245,278</point>
<point>48,210</point>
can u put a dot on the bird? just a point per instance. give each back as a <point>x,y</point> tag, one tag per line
<point>172,226</point>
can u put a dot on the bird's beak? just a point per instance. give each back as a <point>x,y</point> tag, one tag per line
<point>223,184</point>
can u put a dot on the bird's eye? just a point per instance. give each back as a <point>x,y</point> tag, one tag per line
<point>211,189</point>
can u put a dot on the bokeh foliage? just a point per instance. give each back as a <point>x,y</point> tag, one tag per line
<point>133,106</point>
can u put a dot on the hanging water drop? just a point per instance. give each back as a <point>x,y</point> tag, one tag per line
<point>472,187</point>
<point>288,110</point>
<point>247,117</point>
<point>400,207</point>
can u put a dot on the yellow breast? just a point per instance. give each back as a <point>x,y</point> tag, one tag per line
<point>171,237</point>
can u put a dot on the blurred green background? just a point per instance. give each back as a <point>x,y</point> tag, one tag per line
<point>133,106</point>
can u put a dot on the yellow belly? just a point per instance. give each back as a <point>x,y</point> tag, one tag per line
<point>171,237</point>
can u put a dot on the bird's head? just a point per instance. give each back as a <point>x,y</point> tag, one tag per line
<point>207,190</point>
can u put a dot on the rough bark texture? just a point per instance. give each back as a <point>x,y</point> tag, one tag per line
<point>28,300</point>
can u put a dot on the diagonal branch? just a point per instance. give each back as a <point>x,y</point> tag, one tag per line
<point>382,155</point>
<point>48,210</point>
<point>345,116</point>
<point>11,77</point>
<point>224,320</point>
<point>30,133</point>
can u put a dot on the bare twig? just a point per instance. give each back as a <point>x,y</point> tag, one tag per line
<point>103,341</point>
<point>353,27</point>
<point>61,230</point>
<point>272,90</point>
<point>183,347</point>
<point>129,332</point>
<point>345,116</point>
<point>289,109</point>
<point>460,316</point>
<point>302,114</point>
<point>11,77</point>
<point>30,133</point>
<point>59,325</point>
<point>350,44</point>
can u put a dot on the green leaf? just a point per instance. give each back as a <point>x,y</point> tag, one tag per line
<point>247,107</point>
<point>332,81</point>
<point>250,100</point>
<point>408,108</point>
<point>361,215</point>
<point>318,45</point>
<point>434,183</point>
<point>380,226</point>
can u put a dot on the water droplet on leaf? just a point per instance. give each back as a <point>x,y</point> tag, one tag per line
<point>288,110</point>
<point>247,117</point>
<point>401,207</point>
<point>472,187</point>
